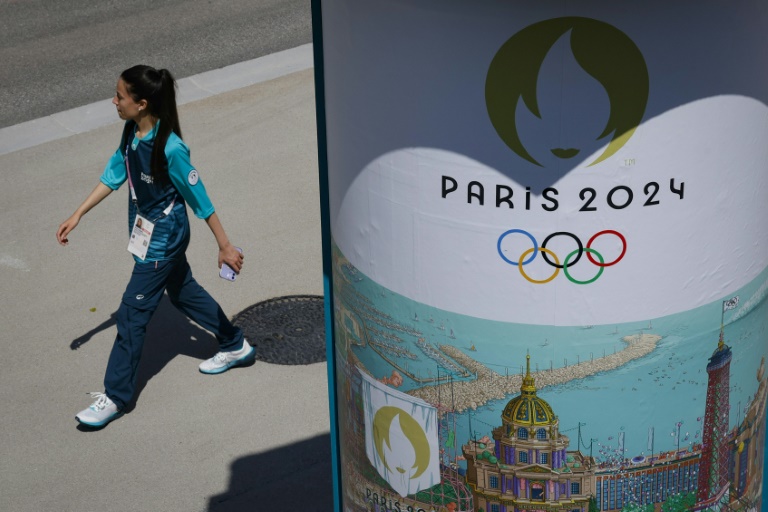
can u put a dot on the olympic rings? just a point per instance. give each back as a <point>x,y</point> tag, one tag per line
<point>543,250</point>
<point>553,235</point>
<point>572,258</point>
<point>530,236</point>
<point>605,232</point>
<point>588,251</point>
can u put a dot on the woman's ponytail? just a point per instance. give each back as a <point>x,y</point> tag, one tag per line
<point>168,116</point>
<point>158,87</point>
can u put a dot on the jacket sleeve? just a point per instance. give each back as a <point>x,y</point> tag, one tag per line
<point>186,178</point>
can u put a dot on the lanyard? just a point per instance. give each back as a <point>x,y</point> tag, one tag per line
<point>133,191</point>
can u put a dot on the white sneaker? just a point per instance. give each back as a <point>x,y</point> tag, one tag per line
<point>101,412</point>
<point>223,361</point>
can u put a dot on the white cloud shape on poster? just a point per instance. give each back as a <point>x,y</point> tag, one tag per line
<point>395,226</point>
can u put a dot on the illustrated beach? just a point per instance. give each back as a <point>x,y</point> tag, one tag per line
<point>490,385</point>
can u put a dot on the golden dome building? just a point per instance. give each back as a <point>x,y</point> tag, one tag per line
<point>528,467</point>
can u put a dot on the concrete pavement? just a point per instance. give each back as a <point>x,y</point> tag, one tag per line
<point>253,438</point>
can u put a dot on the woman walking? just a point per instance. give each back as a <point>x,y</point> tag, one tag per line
<point>155,161</point>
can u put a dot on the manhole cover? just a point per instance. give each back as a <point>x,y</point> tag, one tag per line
<point>286,330</point>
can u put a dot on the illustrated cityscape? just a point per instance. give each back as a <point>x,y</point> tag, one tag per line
<point>531,458</point>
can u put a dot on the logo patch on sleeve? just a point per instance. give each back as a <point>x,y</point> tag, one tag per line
<point>193,177</point>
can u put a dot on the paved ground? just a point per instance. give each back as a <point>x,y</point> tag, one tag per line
<point>59,55</point>
<point>253,438</point>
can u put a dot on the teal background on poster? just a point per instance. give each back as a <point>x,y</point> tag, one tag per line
<point>664,390</point>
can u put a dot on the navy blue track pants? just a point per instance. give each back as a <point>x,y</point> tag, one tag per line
<point>140,300</point>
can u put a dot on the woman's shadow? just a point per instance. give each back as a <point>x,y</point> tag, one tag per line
<point>169,334</point>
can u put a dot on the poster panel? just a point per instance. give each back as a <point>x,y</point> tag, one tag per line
<point>550,236</point>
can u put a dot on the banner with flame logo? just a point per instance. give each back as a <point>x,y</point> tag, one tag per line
<point>400,437</point>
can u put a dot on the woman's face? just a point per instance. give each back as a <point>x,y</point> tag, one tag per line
<point>126,107</point>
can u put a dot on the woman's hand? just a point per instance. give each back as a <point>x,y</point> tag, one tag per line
<point>95,197</point>
<point>227,252</point>
<point>232,257</point>
<point>66,227</point>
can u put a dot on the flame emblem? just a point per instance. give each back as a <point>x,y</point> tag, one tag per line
<point>603,51</point>
<point>401,445</point>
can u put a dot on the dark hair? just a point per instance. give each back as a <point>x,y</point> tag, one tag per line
<point>159,89</point>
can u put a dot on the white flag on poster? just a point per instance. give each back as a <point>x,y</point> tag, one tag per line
<point>730,303</point>
<point>400,437</point>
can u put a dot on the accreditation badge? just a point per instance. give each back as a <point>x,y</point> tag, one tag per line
<point>141,234</point>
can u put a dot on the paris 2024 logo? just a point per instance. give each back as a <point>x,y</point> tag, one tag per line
<point>612,59</point>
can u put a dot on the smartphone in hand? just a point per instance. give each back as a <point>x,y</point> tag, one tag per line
<point>226,271</point>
